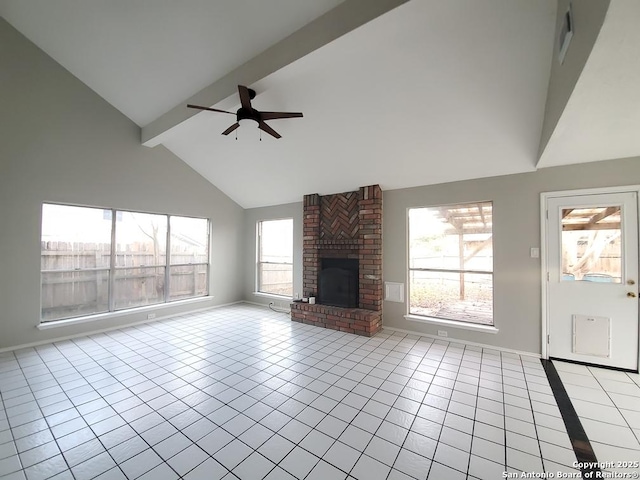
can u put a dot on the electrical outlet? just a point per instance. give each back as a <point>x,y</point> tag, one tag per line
<point>151,316</point>
<point>297,296</point>
<point>442,333</point>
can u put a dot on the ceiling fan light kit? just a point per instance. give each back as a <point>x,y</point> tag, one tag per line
<point>247,115</point>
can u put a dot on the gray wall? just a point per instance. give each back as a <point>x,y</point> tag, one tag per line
<point>63,143</point>
<point>588,17</point>
<point>252,217</point>
<point>516,228</point>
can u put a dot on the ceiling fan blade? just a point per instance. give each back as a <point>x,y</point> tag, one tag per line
<point>245,97</point>
<point>210,109</point>
<point>276,115</point>
<point>231,129</point>
<point>266,128</point>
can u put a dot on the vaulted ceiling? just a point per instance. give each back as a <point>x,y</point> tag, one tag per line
<point>395,92</point>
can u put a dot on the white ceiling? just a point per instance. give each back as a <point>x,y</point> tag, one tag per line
<point>145,56</point>
<point>602,118</point>
<point>430,92</point>
<point>404,100</point>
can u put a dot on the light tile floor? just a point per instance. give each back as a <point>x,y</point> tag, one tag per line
<point>242,392</point>
<point>608,404</point>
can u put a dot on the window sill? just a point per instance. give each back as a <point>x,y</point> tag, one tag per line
<point>453,324</point>
<point>273,296</point>
<point>120,313</point>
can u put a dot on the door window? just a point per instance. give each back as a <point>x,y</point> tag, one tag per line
<point>592,244</point>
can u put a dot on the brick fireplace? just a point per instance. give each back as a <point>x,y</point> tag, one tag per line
<point>347,228</point>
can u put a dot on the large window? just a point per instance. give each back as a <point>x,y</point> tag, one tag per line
<point>97,260</point>
<point>275,257</point>
<point>451,262</point>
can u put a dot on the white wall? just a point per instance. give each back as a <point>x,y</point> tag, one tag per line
<point>61,142</point>
<point>588,17</point>
<point>252,217</point>
<point>516,228</point>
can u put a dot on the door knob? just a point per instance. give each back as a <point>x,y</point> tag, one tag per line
<point>631,295</point>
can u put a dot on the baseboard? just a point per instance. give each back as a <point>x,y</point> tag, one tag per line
<point>257,304</point>
<point>110,329</point>
<point>465,342</point>
<point>165,317</point>
<point>587,364</point>
<point>265,306</point>
<point>447,339</point>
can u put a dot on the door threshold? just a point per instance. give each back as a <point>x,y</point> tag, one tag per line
<point>587,364</point>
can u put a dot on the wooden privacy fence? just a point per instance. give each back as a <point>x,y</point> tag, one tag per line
<point>276,278</point>
<point>75,278</point>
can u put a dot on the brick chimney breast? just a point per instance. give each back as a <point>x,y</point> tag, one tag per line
<point>344,225</point>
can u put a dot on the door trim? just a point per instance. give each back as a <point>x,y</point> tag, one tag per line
<point>544,265</point>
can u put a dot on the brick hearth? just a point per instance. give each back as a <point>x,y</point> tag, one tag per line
<point>344,225</point>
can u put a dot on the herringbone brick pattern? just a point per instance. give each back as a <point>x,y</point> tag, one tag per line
<point>344,225</point>
<point>339,214</point>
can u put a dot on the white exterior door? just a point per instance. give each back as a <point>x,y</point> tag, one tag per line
<point>592,278</point>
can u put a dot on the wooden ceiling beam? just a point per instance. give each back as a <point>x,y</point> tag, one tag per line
<point>572,227</point>
<point>481,213</point>
<point>602,215</point>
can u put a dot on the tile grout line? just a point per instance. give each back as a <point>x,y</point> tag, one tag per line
<point>99,394</point>
<point>360,410</point>
<point>118,414</point>
<point>194,345</point>
<point>376,430</point>
<point>45,419</point>
<point>446,411</point>
<point>533,417</point>
<point>475,410</point>
<point>298,444</point>
<point>504,416</point>
<point>421,403</point>
<point>75,407</point>
<point>10,430</point>
<point>80,347</point>
<point>616,407</point>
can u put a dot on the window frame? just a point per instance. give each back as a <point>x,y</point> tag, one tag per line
<point>472,325</point>
<point>259,262</point>
<point>111,270</point>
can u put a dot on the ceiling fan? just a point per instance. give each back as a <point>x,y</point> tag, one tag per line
<point>247,112</point>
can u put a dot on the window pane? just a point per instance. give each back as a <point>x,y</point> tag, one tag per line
<point>189,240</point>
<point>75,237</point>
<point>276,241</point>
<point>453,237</point>
<point>592,244</point>
<point>136,287</point>
<point>276,278</point>
<point>188,281</point>
<point>141,239</point>
<point>466,297</point>
<point>73,294</point>
<point>457,238</point>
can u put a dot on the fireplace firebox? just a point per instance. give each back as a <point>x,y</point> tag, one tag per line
<point>338,282</point>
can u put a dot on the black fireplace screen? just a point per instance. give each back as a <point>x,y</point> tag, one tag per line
<point>338,282</point>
